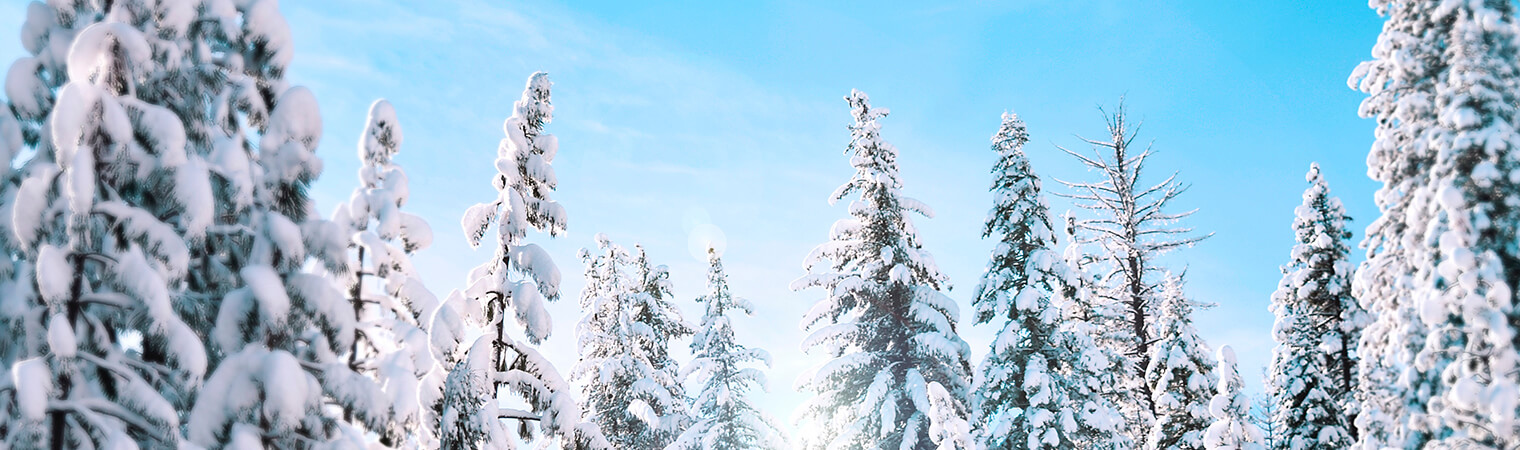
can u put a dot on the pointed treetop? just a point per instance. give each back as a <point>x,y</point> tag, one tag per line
<point>382,134</point>
<point>1012,135</point>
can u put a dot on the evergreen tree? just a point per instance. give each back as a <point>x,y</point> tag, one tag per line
<point>725,419</point>
<point>1264,416</point>
<point>235,245</point>
<point>664,318</point>
<point>282,332</point>
<point>628,380</point>
<point>1180,373</point>
<point>1133,228</point>
<point>899,376</point>
<point>1317,324</point>
<point>1232,428</point>
<point>1039,386</point>
<point>517,280</point>
<point>223,75</point>
<point>1440,364</point>
<point>98,219</point>
<point>31,86</point>
<point>389,301</point>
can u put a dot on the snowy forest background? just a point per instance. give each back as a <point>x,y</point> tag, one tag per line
<point>673,140</point>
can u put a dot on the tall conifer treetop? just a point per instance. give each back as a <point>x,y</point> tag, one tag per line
<point>898,374</point>
<point>628,381</point>
<point>724,417</point>
<point>1041,384</point>
<point>1181,373</point>
<point>512,285</point>
<point>1312,373</point>
<point>1230,407</point>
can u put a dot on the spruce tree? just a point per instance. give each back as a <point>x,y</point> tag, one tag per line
<point>516,281</point>
<point>99,221</point>
<point>723,416</point>
<point>1264,415</point>
<point>229,245</point>
<point>1440,364</point>
<point>390,303</point>
<point>31,88</point>
<point>1039,386</point>
<point>1133,228</point>
<point>628,380</point>
<point>1232,428</point>
<point>898,375</point>
<point>1180,373</point>
<point>662,317</point>
<point>1318,323</point>
<point>282,332</point>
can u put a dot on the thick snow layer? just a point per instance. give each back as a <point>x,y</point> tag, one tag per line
<point>54,274</point>
<point>25,91</point>
<point>60,337</point>
<point>30,204</point>
<point>33,383</point>
<point>382,134</point>
<point>104,46</point>
<point>268,291</point>
<point>295,118</point>
<point>192,184</point>
<point>262,22</point>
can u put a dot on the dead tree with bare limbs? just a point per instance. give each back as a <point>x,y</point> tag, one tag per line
<point>1130,226</point>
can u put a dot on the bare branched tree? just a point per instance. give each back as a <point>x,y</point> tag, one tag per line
<point>1131,225</point>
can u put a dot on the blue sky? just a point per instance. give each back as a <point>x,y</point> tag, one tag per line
<point>668,112</point>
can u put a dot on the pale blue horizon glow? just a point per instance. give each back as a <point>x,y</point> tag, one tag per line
<point>669,113</point>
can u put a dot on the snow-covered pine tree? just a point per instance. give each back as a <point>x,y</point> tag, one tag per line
<point>390,303</point>
<point>99,218</point>
<point>1230,407</point>
<point>1318,324</point>
<point>31,86</point>
<point>1039,386</point>
<point>515,282</point>
<point>50,35</point>
<point>218,67</point>
<point>1440,363</point>
<point>627,379</point>
<point>283,331</point>
<point>1180,372</point>
<point>654,310</point>
<point>1132,227</point>
<point>224,63</point>
<point>1264,415</point>
<point>899,375</point>
<point>271,325</point>
<point>1100,315</point>
<point>723,417</point>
